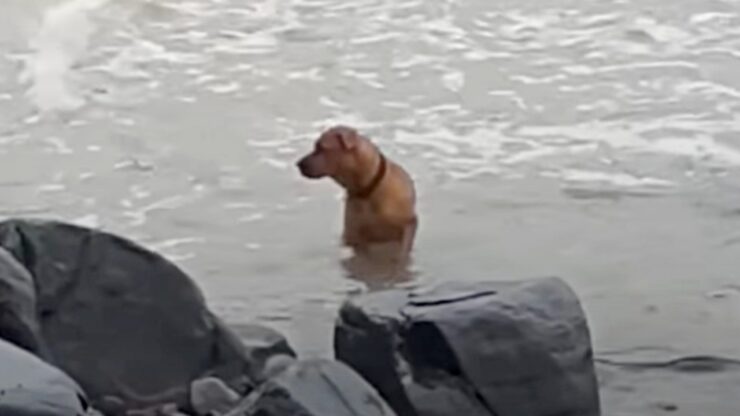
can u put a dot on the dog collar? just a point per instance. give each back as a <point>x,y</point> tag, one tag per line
<point>375,182</point>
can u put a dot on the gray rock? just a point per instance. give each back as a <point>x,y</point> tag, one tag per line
<point>314,388</point>
<point>31,387</point>
<point>18,322</point>
<point>121,320</point>
<point>276,364</point>
<point>112,406</point>
<point>211,396</point>
<point>261,344</point>
<point>498,348</point>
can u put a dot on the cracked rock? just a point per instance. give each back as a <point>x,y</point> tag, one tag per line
<point>489,348</point>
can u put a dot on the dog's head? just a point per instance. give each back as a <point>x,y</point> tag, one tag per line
<point>334,154</point>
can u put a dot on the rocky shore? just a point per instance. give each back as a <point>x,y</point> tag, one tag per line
<point>91,324</point>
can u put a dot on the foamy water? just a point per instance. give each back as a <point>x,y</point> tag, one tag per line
<point>598,142</point>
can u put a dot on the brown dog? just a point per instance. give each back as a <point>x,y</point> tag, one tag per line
<point>380,204</point>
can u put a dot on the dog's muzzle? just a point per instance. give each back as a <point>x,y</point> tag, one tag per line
<point>307,168</point>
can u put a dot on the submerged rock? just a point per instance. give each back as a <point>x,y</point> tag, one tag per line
<point>31,387</point>
<point>498,348</point>
<point>129,326</point>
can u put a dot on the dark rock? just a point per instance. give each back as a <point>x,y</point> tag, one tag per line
<point>314,388</point>
<point>18,322</point>
<point>168,409</point>
<point>211,396</point>
<point>123,321</point>
<point>112,406</point>
<point>498,348</point>
<point>31,387</point>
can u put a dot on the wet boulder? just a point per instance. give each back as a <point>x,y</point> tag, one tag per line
<point>489,348</point>
<point>314,388</point>
<point>129,326</point>
<point>31,387</point>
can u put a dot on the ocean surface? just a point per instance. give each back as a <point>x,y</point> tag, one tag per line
<point>595,141</point>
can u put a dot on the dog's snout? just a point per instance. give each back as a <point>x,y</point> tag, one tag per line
<point>302,165</point>
<point>308,168</point>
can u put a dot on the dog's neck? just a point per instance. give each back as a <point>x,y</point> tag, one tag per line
<point>366,190</point>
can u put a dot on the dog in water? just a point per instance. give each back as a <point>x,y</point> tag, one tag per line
<point>380,205</point>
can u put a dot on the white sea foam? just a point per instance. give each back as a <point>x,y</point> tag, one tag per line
<point>62,40</point>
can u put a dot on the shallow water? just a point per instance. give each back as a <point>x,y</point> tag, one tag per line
<point>596,141</point>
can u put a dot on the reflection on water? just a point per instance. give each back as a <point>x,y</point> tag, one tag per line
<point>379,267</point>
<point>597,141</point>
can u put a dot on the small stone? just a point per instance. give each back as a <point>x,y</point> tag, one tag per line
<point>212,396</point>
<point>112,405</point>
<point>94,412</point>
<point>277,364</point>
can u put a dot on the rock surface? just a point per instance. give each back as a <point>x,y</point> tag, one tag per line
<point>212,396</point>
<point>314,388</point>
<point>31,387</point>
<point>18,323</point>
<point>261,345</point>
<point>125,323</point>
<point>494,348</point>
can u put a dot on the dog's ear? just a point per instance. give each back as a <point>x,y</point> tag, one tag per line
<point>347,137</point>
